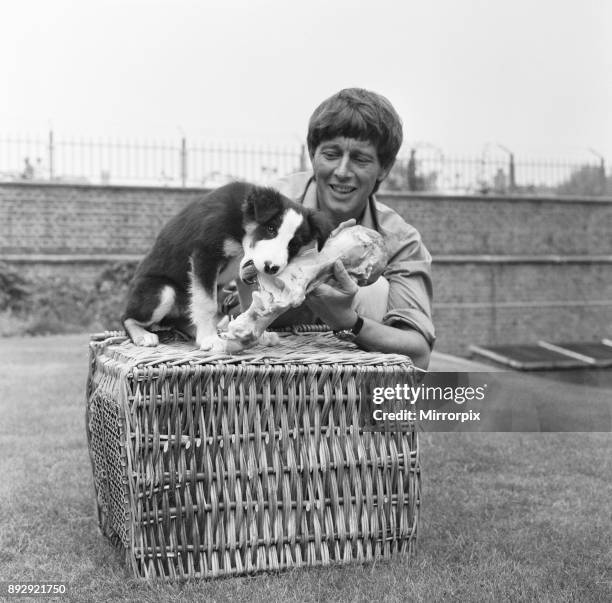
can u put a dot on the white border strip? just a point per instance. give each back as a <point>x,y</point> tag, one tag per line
<point>569,353</point>
<point>524,304</point>
<point>521,259</point>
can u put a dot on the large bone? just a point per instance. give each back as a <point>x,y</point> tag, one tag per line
<point>363,254</point>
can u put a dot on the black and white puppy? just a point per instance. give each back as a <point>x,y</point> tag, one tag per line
<point>176,283</point>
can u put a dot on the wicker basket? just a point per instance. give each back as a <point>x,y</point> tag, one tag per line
<point>217,465</point>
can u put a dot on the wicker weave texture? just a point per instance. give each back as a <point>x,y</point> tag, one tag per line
<point>207,466</point>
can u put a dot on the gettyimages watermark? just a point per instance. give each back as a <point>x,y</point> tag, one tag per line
<point>495,401</point>
<point>403,395</point>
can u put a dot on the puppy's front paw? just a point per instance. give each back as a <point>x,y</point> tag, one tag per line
<point>269,338</point>
<point>147,339</point>
<point>208,342</point>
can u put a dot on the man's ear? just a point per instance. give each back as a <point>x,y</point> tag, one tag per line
<point>320,226</point>
<point>383,173</point>
<point>262,204</point>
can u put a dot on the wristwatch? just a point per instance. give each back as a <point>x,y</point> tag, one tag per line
<point>350,334</point>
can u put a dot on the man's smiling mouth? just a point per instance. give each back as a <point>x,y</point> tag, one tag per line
<point>342,189</point>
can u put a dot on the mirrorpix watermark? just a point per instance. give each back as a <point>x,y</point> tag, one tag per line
<point>410,394</point>
<point>497,401</point>
<point>392,407</point>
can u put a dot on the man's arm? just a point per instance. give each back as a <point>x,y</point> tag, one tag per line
<point>333,304</point>
<point>375,336</point>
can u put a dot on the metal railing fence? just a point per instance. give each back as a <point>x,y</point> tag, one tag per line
<point>495,172</point>
<point>152,163</point>
<point>209,164</point>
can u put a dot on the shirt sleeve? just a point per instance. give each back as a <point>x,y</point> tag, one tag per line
<point>409,275</point>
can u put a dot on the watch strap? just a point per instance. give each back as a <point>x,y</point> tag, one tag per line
<point>353,331</point>
<point>357,326</point>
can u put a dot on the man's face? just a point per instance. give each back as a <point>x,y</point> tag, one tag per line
<point>346,171</point>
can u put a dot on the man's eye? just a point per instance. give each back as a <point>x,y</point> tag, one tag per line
<point>329,154</point>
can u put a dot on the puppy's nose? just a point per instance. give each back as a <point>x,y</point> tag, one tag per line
<point>270,268</point>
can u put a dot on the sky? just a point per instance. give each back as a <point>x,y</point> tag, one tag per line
<point>532,75</point>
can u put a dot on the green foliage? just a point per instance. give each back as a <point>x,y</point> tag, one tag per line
<point>62,304</point>
<point>59,306</point>
<point>12,324</point>
<point>15,290</point>
<point>586,180</point>
<point>107,300</point>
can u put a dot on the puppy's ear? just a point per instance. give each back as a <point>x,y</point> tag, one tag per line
<point>320,227</point>
<point>262,204</point>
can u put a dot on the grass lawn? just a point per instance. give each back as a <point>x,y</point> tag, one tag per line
<point>505,517</point>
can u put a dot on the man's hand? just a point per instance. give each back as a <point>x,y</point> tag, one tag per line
<point>332,301</point>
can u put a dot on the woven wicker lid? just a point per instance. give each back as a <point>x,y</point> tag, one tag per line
<point>293,348</point>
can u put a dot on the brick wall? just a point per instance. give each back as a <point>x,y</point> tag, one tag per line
<point>521,301</point>
<point>515,269</point>
<point>505,269</point>
<point>507,225</point>
<point>55,219</point>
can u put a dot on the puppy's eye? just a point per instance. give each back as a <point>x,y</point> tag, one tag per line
<point>272,229</point>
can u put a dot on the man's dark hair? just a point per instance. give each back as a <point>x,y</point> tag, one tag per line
<point>359,114</point>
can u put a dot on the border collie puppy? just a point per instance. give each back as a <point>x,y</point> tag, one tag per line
<point>176,283</point>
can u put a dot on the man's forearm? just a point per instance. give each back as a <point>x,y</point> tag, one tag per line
<point>377,337</point>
